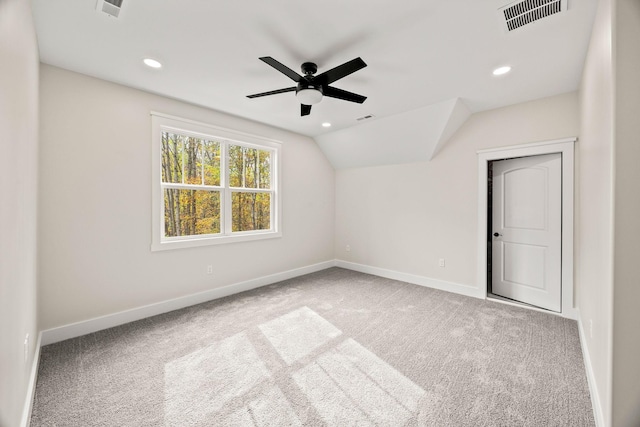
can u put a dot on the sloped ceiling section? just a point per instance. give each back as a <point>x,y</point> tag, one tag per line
<point>409,137</point>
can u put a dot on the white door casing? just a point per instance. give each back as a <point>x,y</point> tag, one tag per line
<point>485,156</point>
<point>527,230</point>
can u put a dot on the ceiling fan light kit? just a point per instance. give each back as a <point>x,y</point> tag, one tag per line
<point>310,88</point>
<point>309,96</point>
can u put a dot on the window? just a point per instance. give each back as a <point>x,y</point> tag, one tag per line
<point>211,185</point>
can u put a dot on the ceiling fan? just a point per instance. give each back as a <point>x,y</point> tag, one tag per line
<point>310,89</point>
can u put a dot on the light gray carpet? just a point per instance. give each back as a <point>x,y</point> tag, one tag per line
<point>334,348</point>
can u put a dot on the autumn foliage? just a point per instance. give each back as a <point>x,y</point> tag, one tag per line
<point>201,178</point>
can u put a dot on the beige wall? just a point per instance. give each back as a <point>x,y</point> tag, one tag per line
<point>594,211</point>
<point>609,211</point>
<point>18,188</point>
<point>626,265</point>
<point>95,204</point>
<point>406,217</point>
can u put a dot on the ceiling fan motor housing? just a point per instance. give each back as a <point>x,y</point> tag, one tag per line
<point>304,84</point>
<point>307,82</point>
<point>309,68</point>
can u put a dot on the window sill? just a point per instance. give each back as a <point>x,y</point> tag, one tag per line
<point>209,241</point>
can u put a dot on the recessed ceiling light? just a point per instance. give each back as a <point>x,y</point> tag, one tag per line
<point>501,70</point>
<point>326,125</point>
<point>152,63</point>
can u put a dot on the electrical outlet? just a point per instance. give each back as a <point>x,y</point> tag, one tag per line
<point>590,328</point>
<point>441,262</point>
<point>209,269</point>
<point>348,248</point>
<point>26,348</point>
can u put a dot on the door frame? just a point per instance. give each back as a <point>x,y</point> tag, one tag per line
<point>563,146</point>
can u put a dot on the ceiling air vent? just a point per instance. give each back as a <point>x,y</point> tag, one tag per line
<point>110,7</point>
<point>367,117</point>
<point>525,12</point>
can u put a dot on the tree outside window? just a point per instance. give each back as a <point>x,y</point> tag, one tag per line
<point>213,187</point>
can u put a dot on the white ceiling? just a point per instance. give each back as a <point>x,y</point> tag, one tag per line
<point>419,52</point>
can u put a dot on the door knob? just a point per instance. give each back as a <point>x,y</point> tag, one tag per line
<point>496,234</point>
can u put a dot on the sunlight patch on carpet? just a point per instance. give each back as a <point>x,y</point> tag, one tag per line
<point>270,409</point>
<point>350,385</point>
<point>298,333</point>
<point>202,382</point>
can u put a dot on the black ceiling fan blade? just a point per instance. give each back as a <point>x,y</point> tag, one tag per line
<point>305,110</point>
<point>282,68</point>
<point>341,71</point>
<point>272,92</point>
<point>334,92</point>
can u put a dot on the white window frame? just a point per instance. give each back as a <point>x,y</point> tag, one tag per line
<point>162,122</point>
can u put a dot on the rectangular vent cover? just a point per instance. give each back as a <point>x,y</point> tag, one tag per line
<point>525,12</point>
<point>368,116</point>
<point>110,7</point>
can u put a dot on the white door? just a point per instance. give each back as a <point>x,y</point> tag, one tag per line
<point>526,237</point>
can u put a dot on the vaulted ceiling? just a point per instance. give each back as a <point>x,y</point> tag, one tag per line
<point>429,62</point>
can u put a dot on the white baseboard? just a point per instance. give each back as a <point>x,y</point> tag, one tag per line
<point>570,313</point>
<point>31,387</point>
<point>591,380</point>
<point>428,282</point>
<point>77,329</point>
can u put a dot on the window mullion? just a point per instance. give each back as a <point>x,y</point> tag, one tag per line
<point>250,190</point>
<point>244,161</point>
<point>182,151</point>
<point>258,169</point>
<point>191,186</point>
<point>202,161</point>
<point>228,218</point>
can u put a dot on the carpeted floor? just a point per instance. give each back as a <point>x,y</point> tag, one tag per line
<point>333,348</point>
